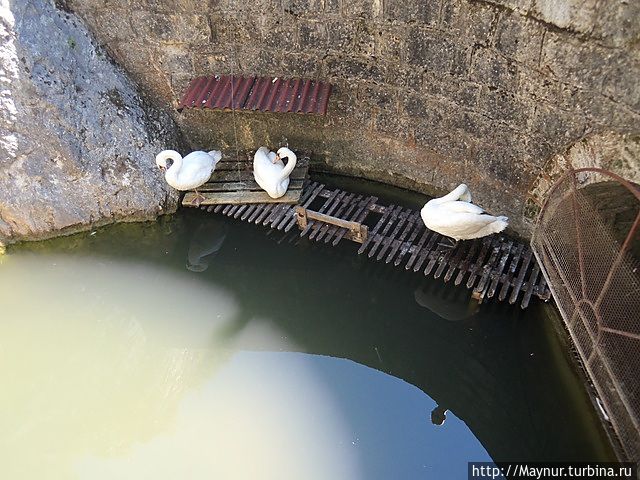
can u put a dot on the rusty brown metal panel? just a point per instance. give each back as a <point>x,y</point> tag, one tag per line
<point>205,90</point>
<point>266,94</point>
<point>217,88</point>
<point>312,100</point>
<point>242,93</point>
<point>257,93</point>
<point>306,86</point>
<point>192,92</point>
<point>219,101</point>
<point>272,98</point>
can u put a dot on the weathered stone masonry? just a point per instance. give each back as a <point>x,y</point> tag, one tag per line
<point>427,93</point>
<point>77,141</point>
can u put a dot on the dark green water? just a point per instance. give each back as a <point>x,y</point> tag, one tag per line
<point>334,338</point>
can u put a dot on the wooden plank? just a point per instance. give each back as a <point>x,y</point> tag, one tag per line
<point>483,284</point>
<point>464,266</point>
<point>250,185</point>
<point>246,176</point>
<point>542,291</point>
<point>496,275</point>
<point>246,163</point>
<point>426,250</point>
<point>277,213</point>
<point>346,213</point>
<point>346,201</point>
<point>406,246</point>
<point>232,210</point>
<point>238,198</point>
<point>416,251</point>
<point>383,235</point>
<point>509,276</point>
<point>377,227</point>
<point>532,282</point>
<point>358,216</point>
<point>232,165</point>
<point>445,259</point>
<point>411,220</point>
<point>266,211</point>
<point>402,219</point>
<point>486,244</point>
<point>357,231</point>
<point>329,211</point>
<point>258,210</point>
<point>520,278</point>
<point>455,261</point>
<point>250,209</point>
<point>436,255</point>
<point>314,194</point>
<point>322,209</point>
<point>241,208</point>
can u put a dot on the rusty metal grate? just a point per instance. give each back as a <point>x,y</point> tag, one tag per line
<point>587,243</point>
<point>265,94</point>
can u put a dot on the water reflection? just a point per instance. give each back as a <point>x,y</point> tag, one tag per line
<point>446,301</point>
<point>206,242</point>
<point>438,415</point>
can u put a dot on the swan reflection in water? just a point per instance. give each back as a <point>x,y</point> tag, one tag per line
<point>439,415</point>
<point>205,244</point>
<point>450,303</point>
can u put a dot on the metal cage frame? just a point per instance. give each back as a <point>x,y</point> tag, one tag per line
<point>583,307</point>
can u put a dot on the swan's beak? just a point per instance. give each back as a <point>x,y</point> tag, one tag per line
<point>276,159</point>
<point>161,168</point>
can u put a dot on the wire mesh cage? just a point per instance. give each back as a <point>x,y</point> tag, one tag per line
<point>586,241</point>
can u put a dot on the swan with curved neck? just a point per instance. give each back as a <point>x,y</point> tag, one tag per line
<point>454,216</point>
<point>270,171</point>
<point>190,172</point>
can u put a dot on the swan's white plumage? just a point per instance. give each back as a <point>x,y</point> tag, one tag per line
<point>455,216</point>
<point>189,172</point>
<point>271,173</point>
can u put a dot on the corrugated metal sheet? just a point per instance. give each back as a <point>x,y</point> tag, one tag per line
<point>265,94</point>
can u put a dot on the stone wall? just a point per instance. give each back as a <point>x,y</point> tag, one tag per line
<point>428,93</point>
<point>77,141</point>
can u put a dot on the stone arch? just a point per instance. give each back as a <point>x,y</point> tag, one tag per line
<point>615,152</point>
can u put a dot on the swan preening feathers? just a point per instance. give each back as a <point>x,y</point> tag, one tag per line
<point>452,215</point>
<point>270,171</point>
<point>456,217</point>
<point>190,172</point>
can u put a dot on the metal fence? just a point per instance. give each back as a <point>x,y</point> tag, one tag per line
<point>587,244</point>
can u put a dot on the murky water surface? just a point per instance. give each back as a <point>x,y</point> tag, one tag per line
<point>200,347</point>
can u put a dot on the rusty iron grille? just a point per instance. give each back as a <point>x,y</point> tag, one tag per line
<point>264,94</point>
<point>586,241</point>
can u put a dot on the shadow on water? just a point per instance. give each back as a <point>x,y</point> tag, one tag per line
<point>501,370</point>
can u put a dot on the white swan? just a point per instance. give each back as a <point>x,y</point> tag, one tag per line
<point>455,216</point>
<point>190,172</point>
<point>271,173</point>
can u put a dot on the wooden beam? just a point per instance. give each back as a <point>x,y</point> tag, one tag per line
<point>244,175</point>
<point>244,186</point>
<point>239,198</point>
<point>355,231</point>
